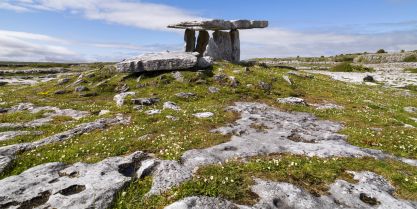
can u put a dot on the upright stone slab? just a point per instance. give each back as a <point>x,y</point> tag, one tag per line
<point>189,38</point>
<point>220,46</point>
<point>202,41</point>
<point>234,36</point>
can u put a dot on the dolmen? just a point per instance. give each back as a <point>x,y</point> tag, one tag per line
<point>222,44</point>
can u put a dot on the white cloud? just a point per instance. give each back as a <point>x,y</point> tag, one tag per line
<point>137,14</point>
<point>21,46</point>
<point>270,42</point>
<point>275,42</point>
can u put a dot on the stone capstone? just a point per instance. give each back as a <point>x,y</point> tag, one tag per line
<point>218,24</point>
<point>159,62</point>
<point>81,185</point>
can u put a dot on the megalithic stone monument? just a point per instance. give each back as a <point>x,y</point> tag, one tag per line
<point>224,42</point>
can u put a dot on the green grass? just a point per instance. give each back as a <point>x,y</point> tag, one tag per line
<point>348,67</point>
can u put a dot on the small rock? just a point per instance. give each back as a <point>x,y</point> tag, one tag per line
<point>247,69</point>
<point>138,107</point>
<point>103,112</point>
<point>376,129</point>
<point>120,98</point>
<point>145,101</point>
<point>178,76</point>
<point>3,83</point>
<point>233,82</point>
<point>327,106</point>
<point>63,81</point>
<point>81,88</point>
<point>287,79</point>
<point>265,86</point>
<point>153,112</point>
<point>171,117</point>
<point>90,94</point>
<point>185,95</point>
<point>205,62</point>
<point>203,115</point>
<point>171,105</point>
<point>213,89</point>
<point>3,110</point>
<point>60,92</point>
<point>369,78</point>
<point>222,78</point>
<point>410,109</point>
<point>140,85</point>
<point>122,88</point>
<point>292,100</point>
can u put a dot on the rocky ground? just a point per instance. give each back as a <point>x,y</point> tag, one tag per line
<point>269,134</point>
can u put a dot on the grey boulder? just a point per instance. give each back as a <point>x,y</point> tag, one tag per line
<point>161,61</point>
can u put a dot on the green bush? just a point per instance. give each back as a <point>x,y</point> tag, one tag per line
<point>381,51</point>
<point>410,58</point>
<point>348,67</point>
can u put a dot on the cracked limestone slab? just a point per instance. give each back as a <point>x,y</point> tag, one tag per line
<point>390,74</point>
<point>50,113</point>
<point>77,186</point>
<point>265,130</point>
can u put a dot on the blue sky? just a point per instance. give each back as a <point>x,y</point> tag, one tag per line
<point>110,30</point>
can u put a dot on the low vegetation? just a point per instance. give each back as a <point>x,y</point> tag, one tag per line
<point>373,117</point>
<point>410,58</point>
<point>348,67</point>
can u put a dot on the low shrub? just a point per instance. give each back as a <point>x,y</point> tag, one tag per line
<point>348,67</point>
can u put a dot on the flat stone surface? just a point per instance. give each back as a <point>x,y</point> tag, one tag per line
<point>220,24</point>
<point>281,132</point>
<point>77,186</point>
<point>159,61</point>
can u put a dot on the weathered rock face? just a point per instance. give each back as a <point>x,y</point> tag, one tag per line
<point>220,46</point>
<point>220,25</point>
<point>202,41</point>
<point>189,38</point>
<point>234,36</point>
<point>159,61</point>
<point>56,185</point>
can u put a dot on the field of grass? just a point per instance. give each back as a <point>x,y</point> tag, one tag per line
<point>366,109</point>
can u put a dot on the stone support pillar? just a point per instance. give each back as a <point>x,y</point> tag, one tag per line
<point>234,36</point>
<point>189,38</point>
<point>202,41</point>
